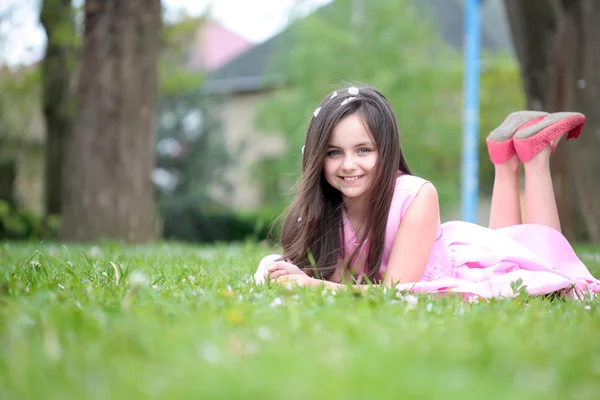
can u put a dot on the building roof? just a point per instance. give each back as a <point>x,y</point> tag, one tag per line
<point>256,69</point>
<point>214,46</point>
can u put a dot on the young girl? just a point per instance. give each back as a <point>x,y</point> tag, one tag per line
<point>360,217</point>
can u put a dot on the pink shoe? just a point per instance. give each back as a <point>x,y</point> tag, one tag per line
<point>531,140</point>
<point>500,140</point>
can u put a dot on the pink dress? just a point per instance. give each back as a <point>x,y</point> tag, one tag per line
<point>481,262</point>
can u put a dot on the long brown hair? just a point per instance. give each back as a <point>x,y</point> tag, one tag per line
<point>313,228</point>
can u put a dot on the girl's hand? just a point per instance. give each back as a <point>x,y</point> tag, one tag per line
<point>282,268</point>
<point>299,280</point>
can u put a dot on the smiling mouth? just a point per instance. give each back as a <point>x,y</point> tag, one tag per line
<point>351,178</point>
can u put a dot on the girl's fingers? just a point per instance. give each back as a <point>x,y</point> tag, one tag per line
<point>284,279</point>
<point>280,266</point>
<point>269,271</point>
<point>278,274</point>
<point>275,274</point>
<point>276,266</point>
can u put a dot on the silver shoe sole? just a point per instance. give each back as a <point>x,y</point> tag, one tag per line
<point>514,121</point>
<point>544,123</point>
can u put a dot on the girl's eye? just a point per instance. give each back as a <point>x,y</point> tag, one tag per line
<point>363,150</point>
<point>334,153</point>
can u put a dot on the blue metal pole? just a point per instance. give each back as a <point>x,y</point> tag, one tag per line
<point>470,165</point>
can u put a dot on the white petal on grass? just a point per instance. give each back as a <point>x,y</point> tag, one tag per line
<point>96,252</point>
<point>209,353</point>
<point>138,279</point>
<point>276,302</point>
<point>410,300</point>
<point>265,333</point>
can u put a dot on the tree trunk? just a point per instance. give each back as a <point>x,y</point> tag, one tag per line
<point>108,186</point>
<point>57,71</point>
<point>558,51</point>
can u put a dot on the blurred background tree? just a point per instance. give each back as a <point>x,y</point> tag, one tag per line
<point>558,47</point>
<point>58,69</point>
<point>183,118</point>
<point>107,187</point>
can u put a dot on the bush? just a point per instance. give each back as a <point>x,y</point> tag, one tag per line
<point>21,225</point>
<point>193,224</point>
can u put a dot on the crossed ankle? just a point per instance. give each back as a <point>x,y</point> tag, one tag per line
<point>512,165</point>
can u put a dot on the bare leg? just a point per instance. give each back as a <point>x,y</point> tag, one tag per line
<point>540,204</point>
<point>506,208</point>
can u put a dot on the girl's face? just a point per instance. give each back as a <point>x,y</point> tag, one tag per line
<point>351,158</point>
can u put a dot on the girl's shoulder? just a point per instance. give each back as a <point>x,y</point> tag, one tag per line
<point>407,188</point>
<point>409,183</point>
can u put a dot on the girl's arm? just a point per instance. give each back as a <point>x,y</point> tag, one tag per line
<point>415,238</point>
<point>410,251</point>
<point>413,242</point>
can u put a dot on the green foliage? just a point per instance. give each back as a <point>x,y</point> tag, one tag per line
<point>173,322</point>
<point>396,49</point>
<point>58,19</point>
<point>176,79</point>
<point>186,123</point>
<point>201,225</point>
<point>19,96</point>
<point>175,76</point>
<point>501,93</point>
<point>22,225</point>
<point>196,161</point>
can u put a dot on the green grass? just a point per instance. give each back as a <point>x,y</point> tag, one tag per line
<point>200,329</point>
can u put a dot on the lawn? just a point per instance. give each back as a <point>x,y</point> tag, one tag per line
<point>176,321</point>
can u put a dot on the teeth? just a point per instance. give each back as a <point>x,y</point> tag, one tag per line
<point>353,178</point>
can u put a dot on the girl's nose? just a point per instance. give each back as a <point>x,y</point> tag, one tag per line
<point>349,163</point>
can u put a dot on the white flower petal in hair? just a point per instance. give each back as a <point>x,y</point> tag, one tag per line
<point>353,91</point>
<point>316,112</point>
<point>302,149</point>
<point>347,100</point>
<point>333,95</point>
